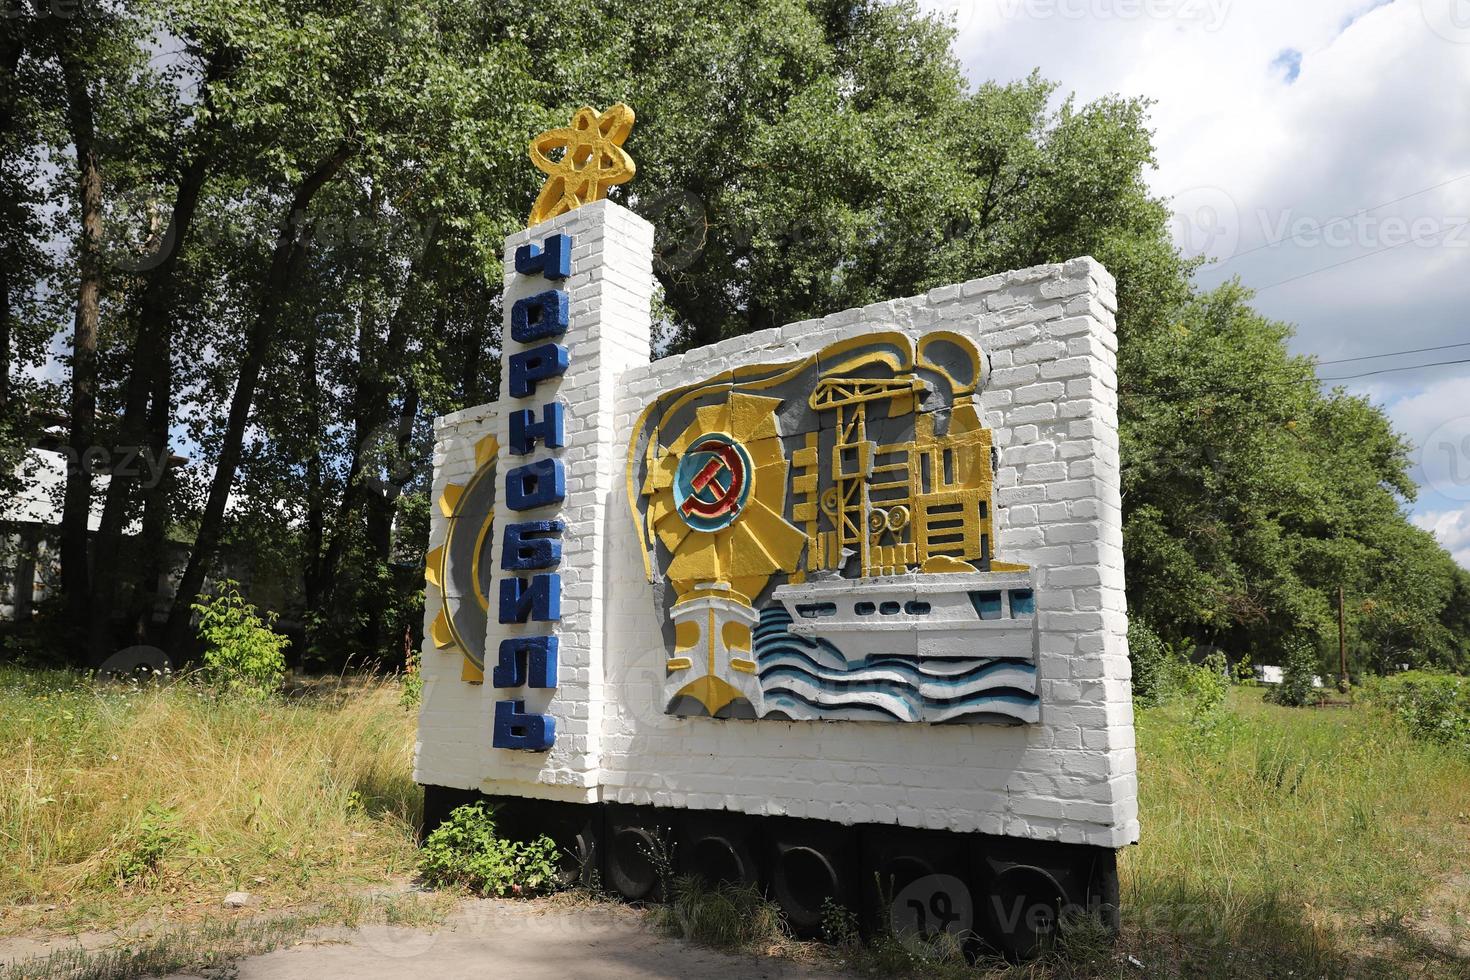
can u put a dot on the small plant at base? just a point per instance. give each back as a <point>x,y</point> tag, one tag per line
<point>156,835</point>
<point>660,854</point>
<point>242,655</point>
<point>724,916</point>
<point>464,851</point>
<point>839,925</point>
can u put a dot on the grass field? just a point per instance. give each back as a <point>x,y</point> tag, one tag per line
<point>118,801</point>
<point>1317,841</point>
<point>1320,841</point>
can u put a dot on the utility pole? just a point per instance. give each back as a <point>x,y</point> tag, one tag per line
<point>1343,684</point>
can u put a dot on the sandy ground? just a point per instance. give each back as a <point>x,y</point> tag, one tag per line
<point>512,940</point>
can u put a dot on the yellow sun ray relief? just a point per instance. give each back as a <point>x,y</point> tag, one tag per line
<point>458,570</point>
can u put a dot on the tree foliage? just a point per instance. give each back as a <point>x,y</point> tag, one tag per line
<point>302,210</point>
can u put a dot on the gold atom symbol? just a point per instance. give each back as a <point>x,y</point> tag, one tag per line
<point>592,160</point>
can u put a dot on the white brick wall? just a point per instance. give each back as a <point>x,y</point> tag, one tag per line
<point>1051,402</point>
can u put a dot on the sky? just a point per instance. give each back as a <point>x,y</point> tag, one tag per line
<point>1317,149</point>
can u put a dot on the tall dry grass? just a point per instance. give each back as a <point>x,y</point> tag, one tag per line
<point>110,792</point>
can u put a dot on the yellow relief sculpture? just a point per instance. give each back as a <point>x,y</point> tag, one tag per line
<point>846,498</point>
<point>459,568</point>
<point>592,160</point>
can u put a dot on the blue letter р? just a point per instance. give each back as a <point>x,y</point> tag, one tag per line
<point>529,367</point>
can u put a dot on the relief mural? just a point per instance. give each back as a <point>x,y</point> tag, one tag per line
<point>820,537</point>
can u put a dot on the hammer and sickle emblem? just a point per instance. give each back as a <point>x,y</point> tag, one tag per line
<point>713,483</point>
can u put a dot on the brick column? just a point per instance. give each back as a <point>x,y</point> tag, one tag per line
<point>608,294</point>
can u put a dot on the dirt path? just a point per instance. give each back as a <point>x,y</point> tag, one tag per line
<point>516,940</point>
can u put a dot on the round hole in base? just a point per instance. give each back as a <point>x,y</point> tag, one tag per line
<point>804,878</point>
<point>629,869</point>
<point>1025,902</point>
<point>716,860</point>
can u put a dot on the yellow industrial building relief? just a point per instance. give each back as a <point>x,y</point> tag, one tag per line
<point>824,532</point>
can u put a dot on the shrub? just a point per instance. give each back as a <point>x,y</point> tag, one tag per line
<point>1206,689</point>
<point>413,682</point>
<point>1430,707</point>
<point>1298,667</point>
<point>465,852</point>
<point>1160,673</point>
<point>242,655</point>
<point>156,834</point>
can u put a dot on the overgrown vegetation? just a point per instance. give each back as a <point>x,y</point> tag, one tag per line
<point>243,656</point>
<point>1325,842</point>
<point>1299,667</point>
<point>210,947</point>
<point>1432,707</point>
<point>118,798</point>
<point>725,915</point>
<point>465,852</point>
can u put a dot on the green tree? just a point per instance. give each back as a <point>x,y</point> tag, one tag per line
<point>285,226</point>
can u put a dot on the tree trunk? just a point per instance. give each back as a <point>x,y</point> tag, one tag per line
<point>77,506</point>
<point>287,254</point>
<point>315,505</point>
<point>4,336</point>
<point>382,509</point>
<point>12,45</point>
<point>152,562</point>
<point>151,374</point>
<point>371,407</point>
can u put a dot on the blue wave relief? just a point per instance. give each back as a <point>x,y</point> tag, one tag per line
<point>806,678</point>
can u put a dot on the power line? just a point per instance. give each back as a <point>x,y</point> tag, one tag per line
<point>1366,255</point>
<point>1403,367</point>
<point>1393,353</point>
<point>1341,218</point>
<point>1314,380</point>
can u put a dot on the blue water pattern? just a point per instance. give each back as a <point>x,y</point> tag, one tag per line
<point>808,677</point>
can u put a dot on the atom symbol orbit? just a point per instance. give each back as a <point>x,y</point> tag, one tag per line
<point>592,160</point>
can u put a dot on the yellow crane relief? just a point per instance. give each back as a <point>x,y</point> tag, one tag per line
<point>923,503</point>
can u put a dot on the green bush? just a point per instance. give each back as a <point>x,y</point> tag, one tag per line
<point>1298,667</point>
<point>156,834</point>
<point>1430,707</point>
<point>1205,689</point>
<point>412,693</point>
<point>242,654</point>
<point>1160,673</point>
<point>464,852</point>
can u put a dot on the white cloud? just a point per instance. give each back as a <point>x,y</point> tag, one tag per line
<point>1259,167</point>
<point>1452,528</point>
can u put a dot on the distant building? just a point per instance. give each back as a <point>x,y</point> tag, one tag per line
<point>30,520</point>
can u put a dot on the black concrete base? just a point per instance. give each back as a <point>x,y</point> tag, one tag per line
<point>1006,892</point>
